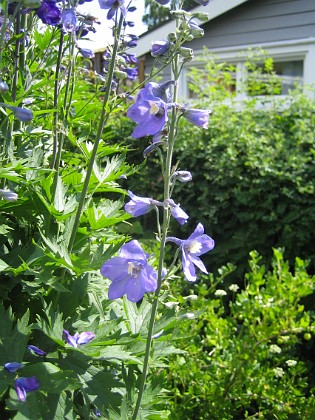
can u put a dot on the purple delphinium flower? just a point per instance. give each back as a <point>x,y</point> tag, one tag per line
<point>78,339</point>
<point>13,366</point>
<point>150,109</point>
<point>49,12</point>
<point>149,114</point>
<point>159,48</point>
<point>8,195</point>
<point>3,87</point>
<point>130,273</point>
<point>199,117</point>
<point>131,73</point>
<point>182,176</point>
<point>22,114</point>
<point>113,6</point>
<point>197,244</point>
<point>36,350</point>
<point>69,20</point>
<point>24,385</point>
<point>157,90</point>
<point>87,53</point>
<point>138,206</point>
<point>178,213</point>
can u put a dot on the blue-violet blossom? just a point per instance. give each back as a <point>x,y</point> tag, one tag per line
<point>69,20</point>
<point>113,6</point>
<point>36,350</point>
<point>197,244</point>
<point>178,213</point>
<point>13,366</point>
<point>24,385</point>
<point>78,339</point>
<point>8,195</point>
<point>130,273</point>
<point>49,12</point>
<point>138,206</point>
<point>22,114</point>
<point>159,48</point>
<point>149,111</point>
<point>199,117</point>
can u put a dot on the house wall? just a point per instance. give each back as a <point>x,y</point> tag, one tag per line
<point>259,22</point>
<point>283,28</point>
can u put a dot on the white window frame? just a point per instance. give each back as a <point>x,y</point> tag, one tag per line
<point>297,50</point>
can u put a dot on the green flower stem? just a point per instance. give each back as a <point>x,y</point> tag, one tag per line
<point>56,95</point>
<point>165,226</point>
<point>3,28</point>
<point>60,137</point>
<point>103,120</point>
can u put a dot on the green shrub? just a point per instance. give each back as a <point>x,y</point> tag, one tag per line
<point>248,352</point>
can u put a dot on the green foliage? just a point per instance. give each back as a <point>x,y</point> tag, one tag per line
<point>246,355</point>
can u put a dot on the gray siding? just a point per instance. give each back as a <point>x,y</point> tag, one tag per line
<point>260,21</point>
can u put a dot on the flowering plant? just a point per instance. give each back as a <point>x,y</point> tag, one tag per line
<point>63,252</point>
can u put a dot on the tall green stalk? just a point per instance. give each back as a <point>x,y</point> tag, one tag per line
<point>165,226</point>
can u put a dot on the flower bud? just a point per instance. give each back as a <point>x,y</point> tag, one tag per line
<point>87,53</point>
<point>195,30</point>
<point>159,48</point>
<point>22,114</point>
<point>120,74</point>
<point>182,176</point>
<point>3,87</point>
<point>203,17</point>
<point>8,195</point>
<point>172,37</point>
<point>186,53</point>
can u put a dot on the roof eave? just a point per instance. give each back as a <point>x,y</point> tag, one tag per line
<point>214,9</point>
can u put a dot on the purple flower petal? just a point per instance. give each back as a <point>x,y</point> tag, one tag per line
<point>78,339</point>
<point>132,250</point>
<point>198,117</point>
<point>85,337</point>
<point>179,215</point>
<point>197,244</point>
<point>159,48</point>
<point>49,12</point>
<point>8,195</point>
<point>130,273</point>
<point>24,385</point>
<point>36,350</point>
<point>13,366</point>
<point>69,20</point>
<point>140,205</point>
